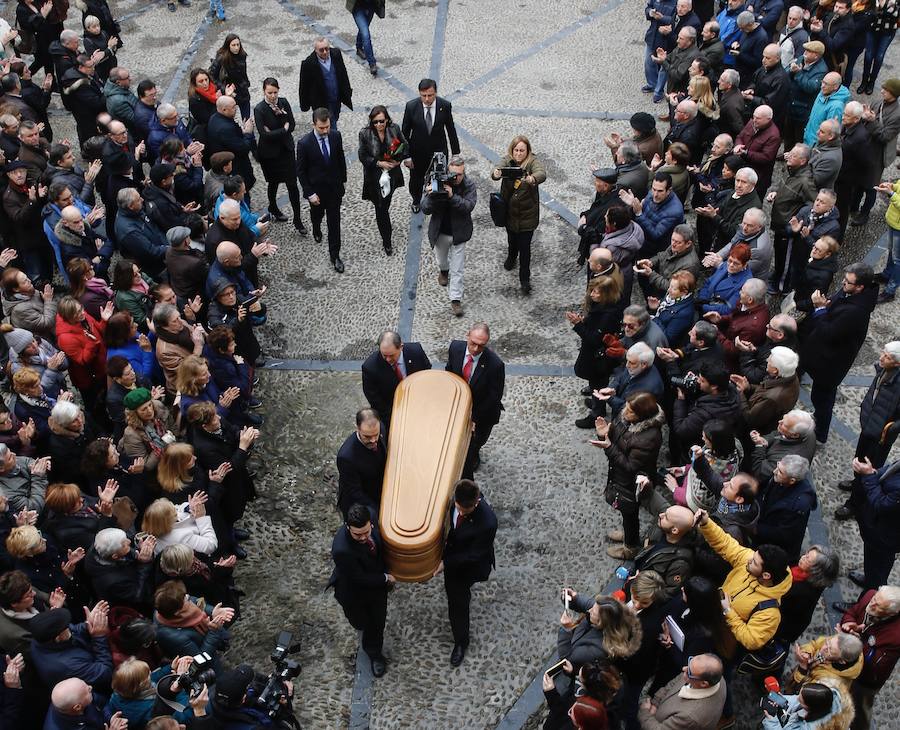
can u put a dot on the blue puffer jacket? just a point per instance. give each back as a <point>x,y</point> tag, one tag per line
<point>141,240</point>
<point>158,134</point>
<point>143,362</point>
<point>728,30</point>
<point>830,107</point>
<point>657,221</point>
<point>876,413</point>
<point>725,287</point>
<point>676,319</point>
<point>81,656</point>
<point>652,37</point>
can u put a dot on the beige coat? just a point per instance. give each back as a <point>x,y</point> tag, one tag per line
<point>680,707</point>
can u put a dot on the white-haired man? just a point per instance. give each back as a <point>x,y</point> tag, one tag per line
<point>766,402</point>
<point>637,375</point>
<point>120,574</point>
<point>785,502</point>
<point>794,434</point>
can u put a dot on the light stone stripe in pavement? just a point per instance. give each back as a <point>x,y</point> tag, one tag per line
<point>140,11</point>
<point>437,45</point>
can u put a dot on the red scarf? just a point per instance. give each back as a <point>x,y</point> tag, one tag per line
<point>210,93</point>
<point>798,574</point>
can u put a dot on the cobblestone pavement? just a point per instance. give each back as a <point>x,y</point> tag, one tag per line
<point>565,74</point>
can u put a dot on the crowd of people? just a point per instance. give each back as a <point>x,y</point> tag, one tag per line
<point>132,295</point>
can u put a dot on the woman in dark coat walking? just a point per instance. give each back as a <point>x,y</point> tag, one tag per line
<point>523,205</point>
<point>230,67</point>
<point>275,151</point>
<point>631,442</point>
<point>382,147</point>
<point>602,317</point>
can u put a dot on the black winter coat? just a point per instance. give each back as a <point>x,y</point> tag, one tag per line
<point>633,450</point>
<point>601,320</point>
<point>797,608</point>
<point>688,423</point>
<point>275,147</point>
<point>371,152</point>
<point>235,73</point>
<point>312,84</point>
<point>881,405</point>
<point>212,451</point>
<point>816,275</point>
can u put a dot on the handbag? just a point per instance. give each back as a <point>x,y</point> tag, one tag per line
<point>498,210</point>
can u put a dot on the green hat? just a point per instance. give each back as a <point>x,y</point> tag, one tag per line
<point>136,398</point>
<point>892,86</point>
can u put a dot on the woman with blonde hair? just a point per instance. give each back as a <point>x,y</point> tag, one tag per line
<point>186,524</point>
<point>196,385</point>
<point>134,691</point>
<point>178,476</point>
<point>700,90</point>
<point>43,563</point>
<point>32,403</point>
<point>147,428</point>
<point>521,173</point>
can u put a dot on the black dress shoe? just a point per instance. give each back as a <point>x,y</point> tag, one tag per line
<point>278,215</point>
<point>589,421</point>
<point>510,263</point>
<point>298,224</point>
<point>388,249</point>
<point>870,88</point>
<point>842,606</point>
<point>846,485</point>
<point>414,207</point>
<point>843,513</point>
<point>317,234</point>
<point>239,552</point>
<point>457,655</point>
<point>253,419</point>
<point>858,577</point>
<point>861,89</point>
<point>526,288</point>
<point>587,390</point>
<point>379,666</point>
<point>338,264</point>
<point>241,534</point>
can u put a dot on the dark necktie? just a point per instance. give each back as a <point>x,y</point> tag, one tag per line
<point>397,371</point>
<point>467,368</point>
<point>459,519</point>
<point>429,122</point>
<point>324,150</point>
<point>370,543</point>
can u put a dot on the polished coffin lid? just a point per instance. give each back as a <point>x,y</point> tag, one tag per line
<point>429,437</point>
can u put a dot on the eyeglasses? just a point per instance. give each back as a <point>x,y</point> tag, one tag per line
<point>379,121</point>
<point>687,669</point>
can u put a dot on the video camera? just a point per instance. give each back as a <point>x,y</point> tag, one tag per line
<point>774,703</point>
<point>438,175</point>
<point>689,384</point>
<point>270,697</point>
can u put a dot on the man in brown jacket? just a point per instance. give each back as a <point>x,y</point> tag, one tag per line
<point>764,404</point>
<point>692,701</point>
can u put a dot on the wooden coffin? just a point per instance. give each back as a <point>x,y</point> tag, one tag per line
<point>429,437</point>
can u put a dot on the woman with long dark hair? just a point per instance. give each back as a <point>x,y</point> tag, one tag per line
<point>275,125</point>
<point>202,96</point>
<point>230,67</point>
<point>382,147</point>
<point>88,288</point>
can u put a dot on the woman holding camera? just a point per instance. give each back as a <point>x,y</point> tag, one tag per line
<point>521,173</point>
<point>382,147</point>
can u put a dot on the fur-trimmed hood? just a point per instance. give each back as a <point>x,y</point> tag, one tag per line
<point>659,420</point>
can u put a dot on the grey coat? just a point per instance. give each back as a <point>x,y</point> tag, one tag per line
<point>825,161</point>
<point>764,458</point>
<point>459,207</point>
<point>884,130</point>
<point>22,489</point>
<point>666,263</point>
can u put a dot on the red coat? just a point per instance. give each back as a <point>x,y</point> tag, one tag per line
<point>760,152</point>
<point>750,326</point>
<point>87,355</point>
<point>881,644</point>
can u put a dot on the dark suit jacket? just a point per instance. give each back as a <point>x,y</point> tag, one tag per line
<point>423,145</point>
<point>360,473</point>
<point>469,550</point>
<point>224,135</point>
<point>312,85</point>
<point>358,576</point>
<point>379,380</point>
<point>487,382</point>
<point>316,177</point>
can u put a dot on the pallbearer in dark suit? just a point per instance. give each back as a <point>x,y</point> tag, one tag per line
<point>485,373</point>
<point>468,558</point>
<point>361,581</point>
<point>360,463</point>
<point>322,171</point>
<point>382,371</point>
<point>427,123</point>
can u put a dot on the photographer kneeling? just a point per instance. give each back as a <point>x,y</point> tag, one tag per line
<point>450,200</point>
<point>236,703</point>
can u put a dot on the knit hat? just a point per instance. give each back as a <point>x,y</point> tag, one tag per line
<point>892,86</point>
<point>815,47</point>
<point>642,122</point>
<point>18,339</point>
<point>14,165</point>
<point>160,171</point>
<point>177,234</point>
<point>47,625</point>
<point>218,161</point>
<point>232,685</point>
<point>136,398</point>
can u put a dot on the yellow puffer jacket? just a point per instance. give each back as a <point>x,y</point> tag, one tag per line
<point>826,670</point>
<point>752,630</point>
<point>892,215</point>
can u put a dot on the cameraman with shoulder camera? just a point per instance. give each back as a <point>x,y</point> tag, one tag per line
<point>450,203</point>
<point>235,705</point>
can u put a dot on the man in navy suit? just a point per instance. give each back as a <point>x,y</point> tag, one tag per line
<point>361,581</point>
<point>485,373</point>
<point>468,558</point>
<point>322,171</point>
<point>360,463</point>
<point>382,371</point>
<point>427,123</point>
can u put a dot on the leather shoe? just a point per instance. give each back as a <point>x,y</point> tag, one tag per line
<point>443,278</point>
<point>509,263</point>
<point>587,390</point>
<point>388,249</point>
<point>842,606</point>
<point>457,308</point>
<point>456,656</point>
<point>616,535</point>
<point>843,513</point>
<point>526,288</point>
<point>858,577</point>
<point>277,215</point>
<point>414,207</point>
<point>379,666</point>
<point>621,552</point>
<point>301,229</point>
<point>239,552</point>
<point>846,485</point>
<point>338,264</point>
<point>317,234</point>
<point>587,422</point>
<point>241,534</point>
